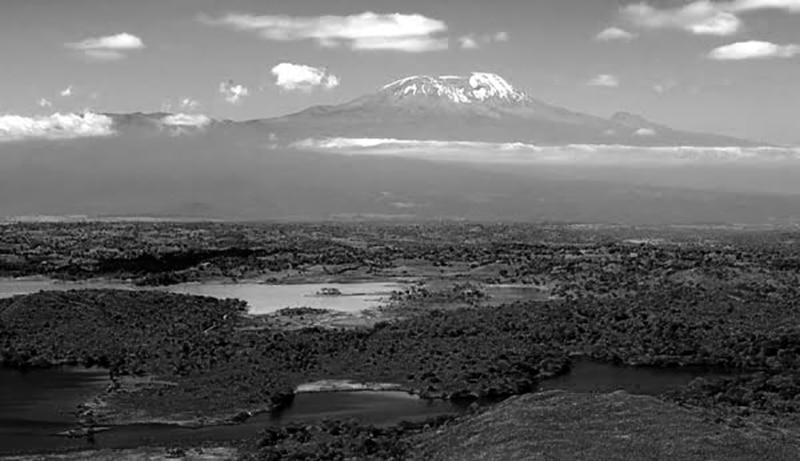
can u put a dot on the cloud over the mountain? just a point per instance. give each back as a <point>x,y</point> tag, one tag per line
<point>108,48</point>
<point>753,49</point>
<point>604,80</point>
<point>56,126</point>
<point>299,77</point>
<point>233,92</point>
<point>66,92</point>
<point>44,102</point>
<point>522,153</point>
<point>365,31</point>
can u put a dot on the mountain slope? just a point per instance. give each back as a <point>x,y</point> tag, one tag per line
<point>478,107</point>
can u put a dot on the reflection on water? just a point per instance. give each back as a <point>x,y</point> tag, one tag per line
<point>261,298</point>
<point>34,405</point>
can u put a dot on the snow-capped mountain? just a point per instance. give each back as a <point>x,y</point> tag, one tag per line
<point>189,164</point>
<point>479,87</point>
<point>477,107</point>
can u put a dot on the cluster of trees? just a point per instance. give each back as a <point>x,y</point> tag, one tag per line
<point>339,440</point>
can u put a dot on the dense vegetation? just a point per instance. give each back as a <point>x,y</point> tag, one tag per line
<point>718,299</point>
<point>340,440</point>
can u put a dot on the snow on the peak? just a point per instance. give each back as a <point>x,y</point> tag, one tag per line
<point>491,85</point>
<point>478,87</point>
<point>400,82</point>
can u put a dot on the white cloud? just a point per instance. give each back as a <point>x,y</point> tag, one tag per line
<point>66,92</point>
<point>108,48</point>
<point>232,92</point>
<point>189,104</point>
<point>792,6</point>
<point>605,80</point>
<point>365,31</point>
<point>471,42</point>
<point>615,34</point>
<point>701,17</point>
<point>468,42</point>
<point>44,102</point>
<point>56,126</point>
<point>186,120</point>
<point>299,77</point>
<point>501,37</point>
<point>753,49</point>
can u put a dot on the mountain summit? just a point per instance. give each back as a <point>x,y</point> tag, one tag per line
<point>479,87</point>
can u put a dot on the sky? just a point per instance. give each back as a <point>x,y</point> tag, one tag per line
<point>730,67</point>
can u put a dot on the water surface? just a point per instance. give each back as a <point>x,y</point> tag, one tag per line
<point>261,298</point>
<point>589,376</point>
<point>35,406</point>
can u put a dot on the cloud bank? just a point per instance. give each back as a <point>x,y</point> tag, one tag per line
<point>411,33</point>
<point>702,17</point>
<point>299,77</point>
<point>56,126</point>
<point>108,48</point>
<point>521,153</point>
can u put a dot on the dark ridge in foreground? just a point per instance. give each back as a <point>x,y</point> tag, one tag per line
<point>560,426</point>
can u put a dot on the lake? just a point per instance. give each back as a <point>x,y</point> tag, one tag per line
<point>261,298</point>
<point>590,376</point>
<point>36,405</point>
